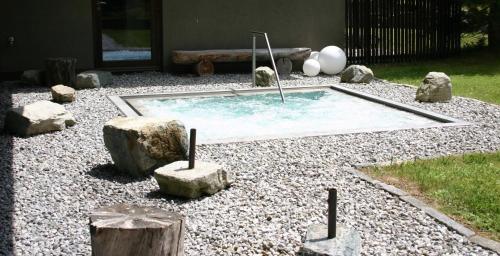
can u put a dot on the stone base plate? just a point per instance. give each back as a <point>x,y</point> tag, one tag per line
<point>206,178</point>
<point>346,243</point>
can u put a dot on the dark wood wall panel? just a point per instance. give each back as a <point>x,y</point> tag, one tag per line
<point>401,30</point>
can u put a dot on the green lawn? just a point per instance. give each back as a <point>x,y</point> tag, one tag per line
<point>474,74</point>
<point>464,187</point>
<point>140,38</point>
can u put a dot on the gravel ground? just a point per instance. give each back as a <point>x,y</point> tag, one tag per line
<point>50,183</point>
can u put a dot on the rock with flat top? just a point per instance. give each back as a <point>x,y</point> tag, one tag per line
<point>264,76</point>
<point>37,118</point>
<point>205,179</point>
<point>436,87</point>
<point>347,242</point>
<point>139,145</point>
<point>357,74</point>
<point>62,93</point>
<point>93,79</point>
<point>33,77</point>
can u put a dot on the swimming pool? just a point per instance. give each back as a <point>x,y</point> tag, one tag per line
<point>251,114</point>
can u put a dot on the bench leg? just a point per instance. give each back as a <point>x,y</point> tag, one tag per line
<point>284,66</point>
<point>204,68</point>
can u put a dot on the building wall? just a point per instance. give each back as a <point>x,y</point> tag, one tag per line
<point>212,24</point>
<point>45,28</point>
<point>57,28</point>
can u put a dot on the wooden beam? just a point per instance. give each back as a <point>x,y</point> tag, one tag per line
<point>238,55</point>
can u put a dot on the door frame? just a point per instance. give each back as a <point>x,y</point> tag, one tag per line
<point>156,62</point>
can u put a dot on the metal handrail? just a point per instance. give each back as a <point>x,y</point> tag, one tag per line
<point>254,61</point>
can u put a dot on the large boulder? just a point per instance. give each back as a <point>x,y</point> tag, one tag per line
<point>33,77</point>
<point>93,79</point>
<point>205,179</point>
<point>357,74</point>
<point>436,87</point>
<point>36,118</point>
<point>62,93</point>
<point>264,76</point>
<point>139,145</point>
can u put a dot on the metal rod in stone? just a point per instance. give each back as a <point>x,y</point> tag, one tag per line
<point>332,213</point>
<point>192,148</point>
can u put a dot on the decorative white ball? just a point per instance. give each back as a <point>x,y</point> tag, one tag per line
<point>311,67</point>
<point>314,55</point>
<point>332,60</point>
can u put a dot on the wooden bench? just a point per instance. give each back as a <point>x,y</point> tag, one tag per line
<point>204,59</point>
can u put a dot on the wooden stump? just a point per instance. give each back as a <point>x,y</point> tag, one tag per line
<point>132,230</point>
<point>284,66</point>
<point>204,68</point>
<point>60,71</point>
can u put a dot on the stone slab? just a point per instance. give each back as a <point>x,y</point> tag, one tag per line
<point>347,241</point>
<point>486,243</point>
<point>205,179</point>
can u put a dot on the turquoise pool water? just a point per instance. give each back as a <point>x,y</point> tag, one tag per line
<point>264,116</point>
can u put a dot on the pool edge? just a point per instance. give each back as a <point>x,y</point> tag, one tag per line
<point>127,109</point>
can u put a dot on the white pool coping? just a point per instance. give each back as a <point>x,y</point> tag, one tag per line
<point>125,104</point>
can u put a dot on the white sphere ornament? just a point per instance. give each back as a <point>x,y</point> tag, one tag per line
<point>314,55</point>
<point>332,60</point>
<point>311,67</point>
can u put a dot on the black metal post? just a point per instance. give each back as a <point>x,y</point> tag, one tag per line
<point>192,148</point>
<point>332,213</point>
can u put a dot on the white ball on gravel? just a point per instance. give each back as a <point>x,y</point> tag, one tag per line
<point>311,67</point>
<point>332,60</point>
<point>314,55</point>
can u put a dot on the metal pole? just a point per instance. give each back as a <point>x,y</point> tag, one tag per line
<point>332,213</point>
<point>274,67</point>
<point>192,148</point>
<point>254,60</point>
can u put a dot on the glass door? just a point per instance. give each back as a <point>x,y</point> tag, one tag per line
<point>127,33</point>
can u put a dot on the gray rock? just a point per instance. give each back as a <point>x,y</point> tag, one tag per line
<point>357,74</point>
<point>264,76</point>
<point>37,118</point>
<point>284,66</point>
<point>436,87</point>
<point>33,77</point>
<point>205,179</point>
<point>93,79</point>
<point>62,93</point>
<point>138,145</point>
<point>347,241</point>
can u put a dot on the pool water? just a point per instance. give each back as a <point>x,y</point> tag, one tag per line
<point>222,118</point>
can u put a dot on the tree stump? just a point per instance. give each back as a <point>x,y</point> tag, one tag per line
<point>60,71</point>
<point>284,66</point>
<point>125,230</point>
<point>204,68</point>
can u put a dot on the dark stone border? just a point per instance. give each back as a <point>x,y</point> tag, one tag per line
<point>437,215</point>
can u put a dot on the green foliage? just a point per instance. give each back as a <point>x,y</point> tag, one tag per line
<point>467,186</point>
<point>140,38</point>
<point>473,74</point>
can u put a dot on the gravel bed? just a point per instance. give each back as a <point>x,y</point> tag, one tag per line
<point>50,183</point>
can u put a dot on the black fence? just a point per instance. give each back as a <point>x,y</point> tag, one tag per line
<point>401,30</point>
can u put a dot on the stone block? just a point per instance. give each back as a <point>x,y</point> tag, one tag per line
<point>264,76</point>
<point>33,77</point>
<point>205,179</point>
<point>436,87</point>
<point>37,118</point>
<point>93,79</point>
<point>347,241</point>
<point>357,74</point>
<point>139,145</point>
<point>62,93</point>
